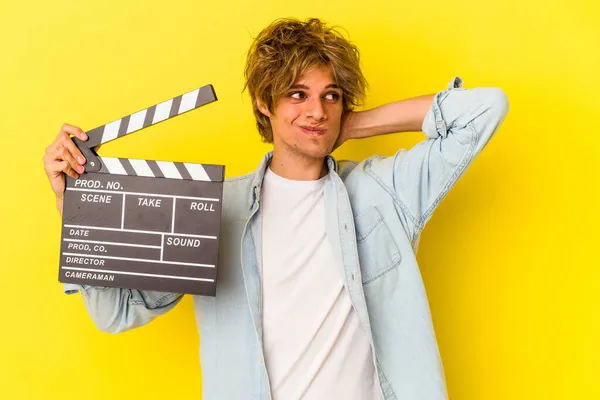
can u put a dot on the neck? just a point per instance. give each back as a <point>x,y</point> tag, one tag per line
<point>297,167</point>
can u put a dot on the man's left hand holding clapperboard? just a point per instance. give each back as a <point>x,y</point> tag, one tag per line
<point>143,224</point>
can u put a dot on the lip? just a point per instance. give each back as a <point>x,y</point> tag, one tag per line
<point>313,130</point>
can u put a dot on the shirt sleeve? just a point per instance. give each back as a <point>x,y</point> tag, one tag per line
<point>458,126</point>
<point>117,310</point>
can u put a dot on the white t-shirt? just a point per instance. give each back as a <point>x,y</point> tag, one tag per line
<point>314,346</point>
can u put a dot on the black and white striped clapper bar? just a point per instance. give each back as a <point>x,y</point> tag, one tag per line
<point>142,224</point>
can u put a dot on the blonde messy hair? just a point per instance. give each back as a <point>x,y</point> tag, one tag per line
<point>288,48</point>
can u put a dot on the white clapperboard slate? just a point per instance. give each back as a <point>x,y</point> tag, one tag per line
<point>143,224</point>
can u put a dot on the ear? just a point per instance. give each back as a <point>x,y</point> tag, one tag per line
<point>262,108</point>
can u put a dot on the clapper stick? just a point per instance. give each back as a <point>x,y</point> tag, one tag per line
<point>143,224</point>
<point>136,121</point>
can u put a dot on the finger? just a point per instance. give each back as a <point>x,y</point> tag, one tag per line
<point>64,154</point>
<point>74,130</point>
<point>75,153</point>
<point>47,158</point>
<point>55,168</point>
<point>54,146</point>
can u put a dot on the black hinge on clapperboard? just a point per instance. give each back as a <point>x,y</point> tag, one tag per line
<point>143,224</point>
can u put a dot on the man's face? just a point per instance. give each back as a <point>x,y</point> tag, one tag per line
<point>306,120</point>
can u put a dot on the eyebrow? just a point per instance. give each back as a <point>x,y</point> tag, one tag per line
<point>331,85</point>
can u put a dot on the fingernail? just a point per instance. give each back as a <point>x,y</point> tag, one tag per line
<point>84,136</point>
<point>80,169</point>
<point>81,160</point>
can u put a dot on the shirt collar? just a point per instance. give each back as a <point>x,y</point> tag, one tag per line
<point>259,175</point>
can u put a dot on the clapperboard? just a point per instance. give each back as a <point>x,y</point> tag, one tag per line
<point>143,224</point>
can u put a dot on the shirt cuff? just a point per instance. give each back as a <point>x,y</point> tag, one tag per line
<point>434,125</point>
<point>71,288</point>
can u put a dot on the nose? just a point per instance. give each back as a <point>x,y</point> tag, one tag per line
<point>315,109</point>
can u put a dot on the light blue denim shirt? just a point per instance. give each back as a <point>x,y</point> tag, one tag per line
<point>375,211</point>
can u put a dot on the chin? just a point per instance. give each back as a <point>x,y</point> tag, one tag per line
<point>316,151</point>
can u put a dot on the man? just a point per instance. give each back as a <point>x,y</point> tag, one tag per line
<point>319,294</point>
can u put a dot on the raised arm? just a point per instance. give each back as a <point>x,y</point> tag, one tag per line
<point>458,124</point>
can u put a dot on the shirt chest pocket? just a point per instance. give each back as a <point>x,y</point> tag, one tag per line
<point>377,251</point>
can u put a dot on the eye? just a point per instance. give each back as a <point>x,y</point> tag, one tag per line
<point>297,95</point>
<point>332,96</point>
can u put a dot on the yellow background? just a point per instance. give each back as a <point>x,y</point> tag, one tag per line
<point>510,259</point>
